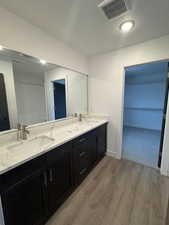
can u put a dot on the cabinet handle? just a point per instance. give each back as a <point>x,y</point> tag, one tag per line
<point>45,179</point>
<point>82,154</point>
<point>83,139</point>
<point>83,171</point>
<point>51,175</point>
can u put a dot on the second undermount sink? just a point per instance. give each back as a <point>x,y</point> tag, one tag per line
<point>80,126</point>
<point>32,145</point>
<point>76,128</point>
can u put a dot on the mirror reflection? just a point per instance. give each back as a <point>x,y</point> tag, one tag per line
<point>33,91</point>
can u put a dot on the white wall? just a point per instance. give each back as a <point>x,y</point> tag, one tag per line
<point>30,98</point>
<point>19,35</point>
<point>6,69</point>
<point>106,88</point>
<point>76,91</point>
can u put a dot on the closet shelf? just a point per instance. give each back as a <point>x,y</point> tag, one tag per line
<point>144,82</point>
<point>143,109</point>
<point>141,128</point>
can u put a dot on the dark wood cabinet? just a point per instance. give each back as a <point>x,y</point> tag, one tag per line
<point>101,141</point>
<point>32,192</point>
<point>24,202</point>
<point>81,158</point>
<point>92,148</point>
<point>59,176</point>
<point>88,149</point>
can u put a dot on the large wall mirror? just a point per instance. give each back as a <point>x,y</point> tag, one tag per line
<point>33,91</point>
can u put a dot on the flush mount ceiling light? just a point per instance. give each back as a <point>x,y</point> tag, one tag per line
<point>1,48</point>
<point>42,61</point>
<point>127,26</point>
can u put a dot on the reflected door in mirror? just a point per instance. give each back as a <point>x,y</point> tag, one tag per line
<point>4,117</point>
<point>59,99</point>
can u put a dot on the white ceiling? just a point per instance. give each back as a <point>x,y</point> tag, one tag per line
<point>83,26</point>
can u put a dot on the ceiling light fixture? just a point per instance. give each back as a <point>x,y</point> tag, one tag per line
<point>43,61</point>
<point>1,48</point>
<point>127,26</point>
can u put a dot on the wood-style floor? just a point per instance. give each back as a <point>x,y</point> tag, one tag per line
<point>117,193</point>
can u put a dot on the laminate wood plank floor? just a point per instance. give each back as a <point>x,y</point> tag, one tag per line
<point>117,192</point>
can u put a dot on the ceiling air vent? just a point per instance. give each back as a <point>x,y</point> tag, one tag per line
<point>114,8</point>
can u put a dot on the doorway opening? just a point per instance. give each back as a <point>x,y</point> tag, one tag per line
<point>4,115</point>
<point>145,105</point>
<point>59,89</point>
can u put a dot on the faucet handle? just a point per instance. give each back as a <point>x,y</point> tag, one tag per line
<point>19,126</point>
<point>75,115</point>
<point>24,128</point>
<point>80,117</point>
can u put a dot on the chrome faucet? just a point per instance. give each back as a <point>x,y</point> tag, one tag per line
<point>22,132</point>
<point>80,117</point>
<point>18,131</point>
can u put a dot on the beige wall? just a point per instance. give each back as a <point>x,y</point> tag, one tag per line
<point>106,86</point>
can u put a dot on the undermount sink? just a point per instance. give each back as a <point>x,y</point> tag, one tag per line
<point>88,123</point>
<point>29,146</point>
<point>91,121</point>
<point>82,125</point>
<point>73,129</point>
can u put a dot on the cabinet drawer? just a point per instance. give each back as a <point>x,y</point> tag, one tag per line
<point>82,173</point>
<point>82,151</point>
<point>80,140</point>
<point>82,154</point>
<point>55,154</point>
<point>84,162</point>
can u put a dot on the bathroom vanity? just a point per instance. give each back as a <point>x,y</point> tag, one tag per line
<point>54,147</point>
<point>34,186</point>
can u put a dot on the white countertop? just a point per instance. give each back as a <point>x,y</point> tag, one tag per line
<point>16,153</point>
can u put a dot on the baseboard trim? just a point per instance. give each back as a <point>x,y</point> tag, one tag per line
<point>112,154</point>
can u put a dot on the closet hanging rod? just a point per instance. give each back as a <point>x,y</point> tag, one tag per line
<point>144,109</point>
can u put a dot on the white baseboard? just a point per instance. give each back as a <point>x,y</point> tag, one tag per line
<point>112,154</point>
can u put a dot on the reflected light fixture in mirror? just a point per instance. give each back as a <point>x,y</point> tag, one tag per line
<point>42,61</point>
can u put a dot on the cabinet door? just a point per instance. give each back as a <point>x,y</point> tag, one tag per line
<point>101,141</point>
<point>92,148</point>
<point>59,176</point>
<point>24,202</point>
